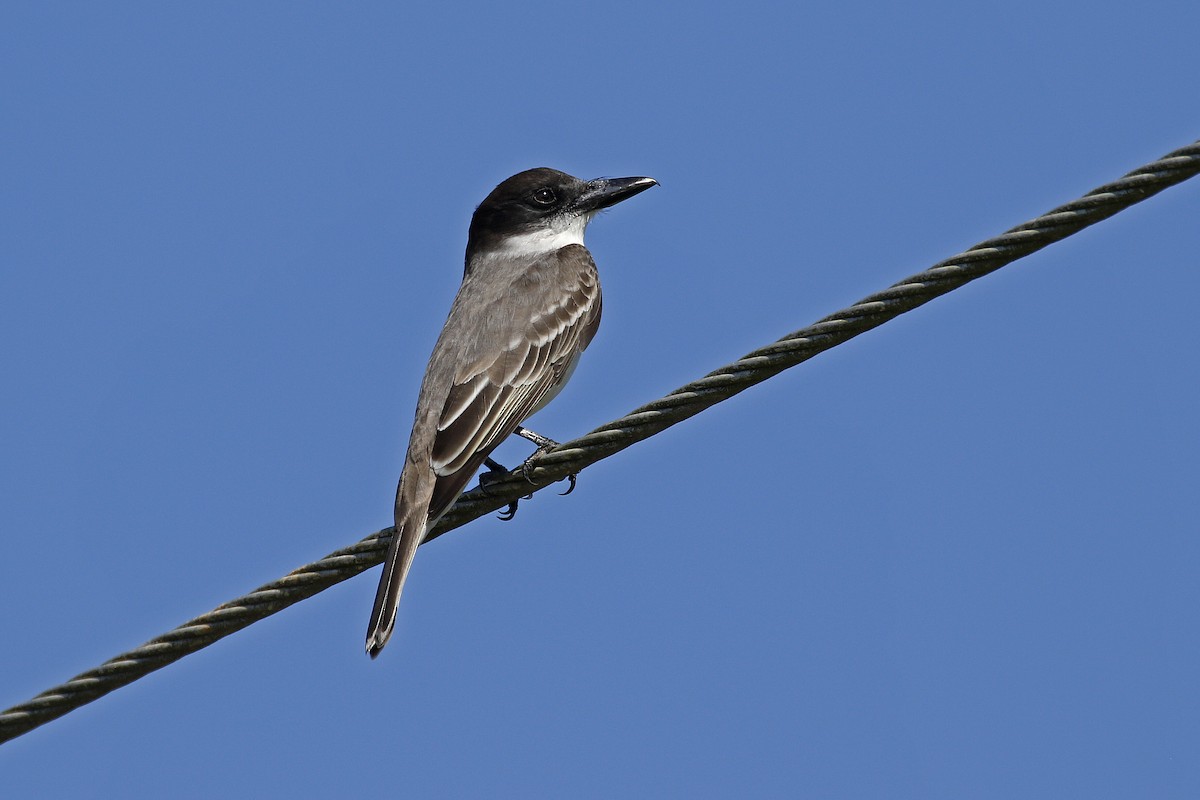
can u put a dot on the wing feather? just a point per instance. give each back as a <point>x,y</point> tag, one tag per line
<point>460,399</point>
<point>494,392</point>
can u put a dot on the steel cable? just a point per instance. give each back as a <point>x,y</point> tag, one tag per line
<point>573,456</point>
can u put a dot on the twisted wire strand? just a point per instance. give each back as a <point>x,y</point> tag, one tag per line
<point>612,437</point>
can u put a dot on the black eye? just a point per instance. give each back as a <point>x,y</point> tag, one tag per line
<point>545,196</point>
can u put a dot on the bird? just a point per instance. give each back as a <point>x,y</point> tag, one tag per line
<point>528,306</point>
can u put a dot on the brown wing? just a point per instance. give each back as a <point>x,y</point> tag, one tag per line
<point>493,393</point>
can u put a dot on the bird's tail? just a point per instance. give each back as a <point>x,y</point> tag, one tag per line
<point>409,532</point>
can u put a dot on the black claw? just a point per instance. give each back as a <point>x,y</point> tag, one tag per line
<point>489,476</point>
<point>527,471</point>
<point>493,474</point>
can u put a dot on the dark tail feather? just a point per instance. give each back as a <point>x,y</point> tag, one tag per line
<point>409,533</point>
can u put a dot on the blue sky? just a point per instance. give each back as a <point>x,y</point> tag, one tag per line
<point>956,557</point>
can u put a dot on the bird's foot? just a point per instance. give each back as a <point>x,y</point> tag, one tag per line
<point>495,470</point>
<point>543,443</point>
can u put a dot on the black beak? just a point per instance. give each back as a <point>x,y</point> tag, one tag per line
<point>604,192</point>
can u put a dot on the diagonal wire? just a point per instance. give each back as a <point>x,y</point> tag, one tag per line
<point>573,456</point>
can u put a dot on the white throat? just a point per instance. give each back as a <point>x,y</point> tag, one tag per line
<point>561,231</point>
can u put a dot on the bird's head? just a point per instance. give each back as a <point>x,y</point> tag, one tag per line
<point>541,210</point>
